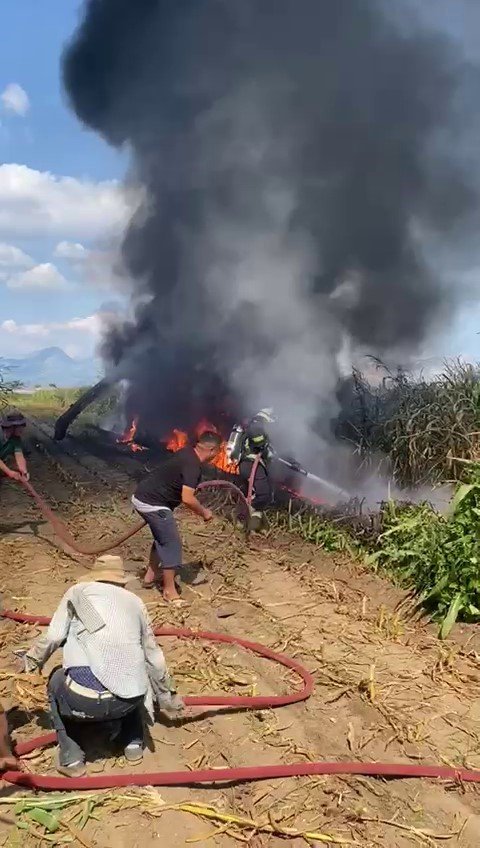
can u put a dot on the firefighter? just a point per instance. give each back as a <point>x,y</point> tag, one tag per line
<point>252,450</point>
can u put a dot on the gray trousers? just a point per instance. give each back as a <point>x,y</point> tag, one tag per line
<point>70,709</point>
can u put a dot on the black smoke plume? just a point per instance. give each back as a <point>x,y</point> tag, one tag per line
<point>298,158</point>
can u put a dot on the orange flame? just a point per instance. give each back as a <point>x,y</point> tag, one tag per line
<point>127,438</point>
<point>179,439</point>
<point>176,441</point>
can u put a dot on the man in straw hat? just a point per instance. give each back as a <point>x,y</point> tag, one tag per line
<point>113,668</point>
<point>13,426</point>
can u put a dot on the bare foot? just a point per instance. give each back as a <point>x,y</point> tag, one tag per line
<point>170,592</point>
<point>150,579</point>
<point>171,595</point>
<point>150,576</point>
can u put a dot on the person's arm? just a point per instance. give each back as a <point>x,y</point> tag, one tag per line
<point>192,503</point>
<point>14,475</point>
<point>162,684</point>
<point>21,463</point>
<point>56,635</point>
<point>190,480</point>
<point>7,759</point>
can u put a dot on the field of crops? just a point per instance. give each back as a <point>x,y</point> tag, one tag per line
<point>420,432</point>
<point>425,432</point>
<point>424,428</point>
<point>435,557</point>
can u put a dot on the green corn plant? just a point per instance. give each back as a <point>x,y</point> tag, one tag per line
<point>437,556</point>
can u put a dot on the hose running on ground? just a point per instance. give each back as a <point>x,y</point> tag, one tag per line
<point>226,775</point>
<point>96,549</point>
<point>207,776</point>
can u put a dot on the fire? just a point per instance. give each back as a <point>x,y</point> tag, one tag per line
<point>178,439</point>
<point>127,438</point>
<point>223,463</point>
<point>129,434</point>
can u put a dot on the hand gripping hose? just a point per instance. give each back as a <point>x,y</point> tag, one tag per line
<point>98,548</point>
<point>224,775</point>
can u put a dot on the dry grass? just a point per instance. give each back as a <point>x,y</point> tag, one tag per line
<point>420,426</point>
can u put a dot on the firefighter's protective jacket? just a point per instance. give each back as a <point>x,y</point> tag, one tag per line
<point>256,441</point>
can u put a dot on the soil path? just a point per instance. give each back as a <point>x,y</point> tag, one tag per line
<point>385,689</point>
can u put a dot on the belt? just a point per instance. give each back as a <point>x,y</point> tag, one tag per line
<point>87,693</point>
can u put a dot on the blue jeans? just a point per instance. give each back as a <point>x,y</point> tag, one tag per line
<point>166,537</point>
<point>76,708</point>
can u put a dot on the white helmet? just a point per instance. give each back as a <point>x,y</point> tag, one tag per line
<point>267,414</point>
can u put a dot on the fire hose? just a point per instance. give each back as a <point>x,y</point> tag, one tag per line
<point>213,775</point>
<point>224,775</point>
<point>101,548</point>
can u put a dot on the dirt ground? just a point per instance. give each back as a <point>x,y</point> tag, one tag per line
<point>385,688</point>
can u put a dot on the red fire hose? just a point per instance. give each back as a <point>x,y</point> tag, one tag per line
<point>208,776</point>
<point>224,775</point>
<point>101,548</point>
<point>251,479</point>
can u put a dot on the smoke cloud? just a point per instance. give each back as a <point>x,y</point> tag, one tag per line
<point>299,160</point>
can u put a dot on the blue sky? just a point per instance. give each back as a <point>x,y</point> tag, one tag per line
<point>61,206</point>
<point>51,282</point>
<point>51,136</point>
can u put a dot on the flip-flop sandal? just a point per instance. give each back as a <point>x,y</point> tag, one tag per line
<point>150,584</point>
<point>200,579</point>
<point>176,602</point>
<point>74,770</point>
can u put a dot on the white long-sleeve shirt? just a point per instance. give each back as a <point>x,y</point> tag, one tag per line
<point>107,629</point>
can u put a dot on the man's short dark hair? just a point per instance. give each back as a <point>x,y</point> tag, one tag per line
<point>209,439</point>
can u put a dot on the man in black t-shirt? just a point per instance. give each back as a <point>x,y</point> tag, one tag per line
<point>170,485</point>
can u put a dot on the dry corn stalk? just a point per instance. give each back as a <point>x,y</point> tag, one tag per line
<point>155,806</point>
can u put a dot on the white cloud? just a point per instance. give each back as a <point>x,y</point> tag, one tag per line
<point>38,203</point>
<point>98,269</point>
<point>77,336</point>
<point>90,325</point>
<point>43,277</point>
<point>15,99</point>
<point>13,257</point>
<point>14,329</point>
<point>70,250</point>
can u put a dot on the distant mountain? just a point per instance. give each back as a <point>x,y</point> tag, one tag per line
<point>50,365</point>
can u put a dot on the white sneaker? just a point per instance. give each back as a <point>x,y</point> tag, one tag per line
<point>134,752</point>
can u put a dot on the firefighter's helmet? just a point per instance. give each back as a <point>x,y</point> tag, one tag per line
<point>267,415</point>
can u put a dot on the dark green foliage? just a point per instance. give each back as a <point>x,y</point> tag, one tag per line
<point>437,557</point>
